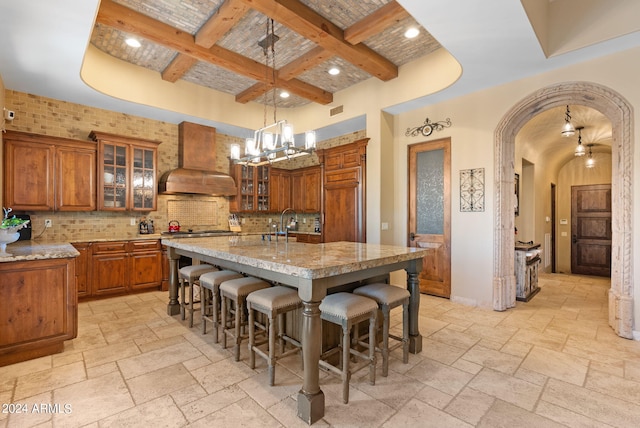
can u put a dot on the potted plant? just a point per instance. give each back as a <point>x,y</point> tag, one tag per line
<point>9,230</point>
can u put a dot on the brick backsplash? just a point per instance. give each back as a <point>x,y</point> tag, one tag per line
<point>47,116</point>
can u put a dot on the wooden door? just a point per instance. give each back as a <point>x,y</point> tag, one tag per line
<point>591,230</point>
<point>430,212</point>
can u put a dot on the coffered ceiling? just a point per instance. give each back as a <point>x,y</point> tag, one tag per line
<point>215,44</point>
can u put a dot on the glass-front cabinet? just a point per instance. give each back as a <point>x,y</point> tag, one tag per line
<point>253,188</point>
<point>126,172</point>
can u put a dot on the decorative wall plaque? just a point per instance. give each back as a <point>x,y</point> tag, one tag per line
<point>472,190</point>
<point>428,127</point>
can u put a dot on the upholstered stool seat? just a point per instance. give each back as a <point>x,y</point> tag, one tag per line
<point>274,302</point>
<point>236,290</point>
<point>188,277</point>
<point>389,297</point>
<point>210,298</point>
<point>348,310</point>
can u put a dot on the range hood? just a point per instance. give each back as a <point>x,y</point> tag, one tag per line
<point>196,157</point>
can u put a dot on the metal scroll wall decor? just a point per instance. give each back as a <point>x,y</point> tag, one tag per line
<point>472,190</point>
<point>428,127</point>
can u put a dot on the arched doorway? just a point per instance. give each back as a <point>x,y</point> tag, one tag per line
<point>619,112</point>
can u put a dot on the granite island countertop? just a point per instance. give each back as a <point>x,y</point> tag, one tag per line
<point>35,250</point>
<point>298,259</point>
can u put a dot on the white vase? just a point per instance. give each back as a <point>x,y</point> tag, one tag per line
<point>7,236</point>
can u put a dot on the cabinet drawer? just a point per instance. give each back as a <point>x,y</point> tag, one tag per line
<point>150,245</point>
<point>351,175</point>
<point>109,247</point>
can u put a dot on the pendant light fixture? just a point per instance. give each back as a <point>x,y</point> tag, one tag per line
<point>580,148</point>
<point>590,163</point>
<point>274,142</point>
<point>568,129</point>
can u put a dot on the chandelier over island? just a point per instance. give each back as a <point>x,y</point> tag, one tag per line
<point>274,142</point>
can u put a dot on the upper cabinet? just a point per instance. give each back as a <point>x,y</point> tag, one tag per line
<point>305,189</point>
<point>253,188</point>
<point>127,173</point>
<point>280,189</point>
<point>44,173</point>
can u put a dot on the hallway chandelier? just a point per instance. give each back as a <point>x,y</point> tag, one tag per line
<point>276,141</point>
<point>568,129</point>
<point>579,148</point>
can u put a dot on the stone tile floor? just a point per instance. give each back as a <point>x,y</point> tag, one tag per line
<point>553,361</point>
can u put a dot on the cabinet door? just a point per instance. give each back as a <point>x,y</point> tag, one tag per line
<point>82,269</point>
<point>146,270</point>
<point>143,179</point>
<point>28,176</point>
<point>75,185</point>
<point>109,268</point>
<point>280,190</point>
<point>262,188</point>
<point>312,190</point>
<point>146,264</point>
<point>297,191</point>
<point>112,193</point>
<point>343,208</point>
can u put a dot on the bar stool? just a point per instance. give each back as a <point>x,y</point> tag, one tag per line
<point>210,298</point>
<point>236,290</point>
<point>188,276</point>
<point>274,302</point>
<point>348,310</point>
<point>388,297</point>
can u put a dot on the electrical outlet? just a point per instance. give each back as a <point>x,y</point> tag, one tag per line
<point>133,221</point>
<point>48,223</point>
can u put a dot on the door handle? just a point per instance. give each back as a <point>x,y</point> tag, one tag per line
<point>412,236</point>
<point>574,239</point>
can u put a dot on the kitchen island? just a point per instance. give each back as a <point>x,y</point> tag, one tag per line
<point>39,309</point>
<point>312,269</point>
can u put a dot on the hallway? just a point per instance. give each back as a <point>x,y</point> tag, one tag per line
<point>549,362</point>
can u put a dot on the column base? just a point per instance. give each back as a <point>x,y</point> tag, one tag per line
<point>415,344</point>
<point>310,407</point>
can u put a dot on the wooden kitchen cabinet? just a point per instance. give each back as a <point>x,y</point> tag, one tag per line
<point>306,184</point>
<point>109,268</point>
<point>253,189</point>
<point>526,264</point>
<point>280,197</point>
<point>39,310</point>
<point>118,267</point>
<point>44,173</point>
<point>145,264</point>
<point>82,269</point>
<point>127,172</point>
<point>344,192</point>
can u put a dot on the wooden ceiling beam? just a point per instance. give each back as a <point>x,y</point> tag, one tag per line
<point>386,16</point>
<point>311,25</point>
<point>306,62</point>
<point>122,18</point>
<point>227,15</point>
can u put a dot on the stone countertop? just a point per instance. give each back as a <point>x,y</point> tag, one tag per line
<point>34,250</point>
<point>309,261</point>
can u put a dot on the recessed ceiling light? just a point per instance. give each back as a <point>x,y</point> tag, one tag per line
<point>411,33</point>
<point>334,71</point>
<point>284,94</point>
<point>133,43</point>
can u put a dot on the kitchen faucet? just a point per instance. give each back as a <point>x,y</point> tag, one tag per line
<point>284,228</point>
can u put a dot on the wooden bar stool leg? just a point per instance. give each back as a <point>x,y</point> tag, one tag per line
<point>405,333</point>
<point>252,338</point>
<point>385,340</point>
<point>182,305</point>
<point>191,304</point>
<point>372,346</point>
<point>217,307</point>
<point>224,312</point>
<point>272,350</point>
<point>346,356</point>
<point>238,330</point>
